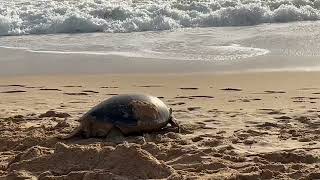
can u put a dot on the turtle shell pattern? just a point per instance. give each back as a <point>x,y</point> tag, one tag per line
<point>132,113</point>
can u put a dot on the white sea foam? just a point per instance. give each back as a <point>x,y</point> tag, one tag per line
<point>19,17</point>
<point>221,53</point>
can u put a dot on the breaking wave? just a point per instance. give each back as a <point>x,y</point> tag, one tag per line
<point>19,17</point>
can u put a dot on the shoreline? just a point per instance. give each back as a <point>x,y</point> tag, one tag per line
<point>15,62</point>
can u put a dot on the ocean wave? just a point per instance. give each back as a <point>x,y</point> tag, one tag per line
<point>19,17</point>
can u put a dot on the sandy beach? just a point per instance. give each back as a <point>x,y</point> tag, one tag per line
<point>234,126</point>
<point>241,77</point>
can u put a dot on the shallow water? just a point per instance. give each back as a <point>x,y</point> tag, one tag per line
<point>215,44</point>
<point>170,32</point>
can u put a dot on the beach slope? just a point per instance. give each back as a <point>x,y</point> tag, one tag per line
<point>234,126</point>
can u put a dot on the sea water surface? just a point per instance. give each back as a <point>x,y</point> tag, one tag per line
<point>260,34</point>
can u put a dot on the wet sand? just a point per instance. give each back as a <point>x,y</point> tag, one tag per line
<point>234,126</point>
<point>24,62</point>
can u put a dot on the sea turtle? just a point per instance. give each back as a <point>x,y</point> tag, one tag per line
<point>127,113</point>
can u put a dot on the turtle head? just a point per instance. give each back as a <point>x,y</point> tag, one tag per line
<point>172,121</point>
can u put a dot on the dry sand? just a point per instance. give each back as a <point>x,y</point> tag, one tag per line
<point>234,126</point>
